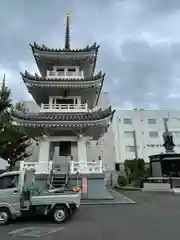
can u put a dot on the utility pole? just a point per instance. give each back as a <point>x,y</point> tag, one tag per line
<point>135,145</point>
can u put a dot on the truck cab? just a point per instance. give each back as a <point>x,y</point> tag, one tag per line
<point>9,193</point>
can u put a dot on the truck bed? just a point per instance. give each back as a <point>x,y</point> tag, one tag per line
<point>48,198</point>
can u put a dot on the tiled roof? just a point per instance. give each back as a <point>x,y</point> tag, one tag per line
<point>42,47</point>
<point>37,78</point>
<point>65,117</point>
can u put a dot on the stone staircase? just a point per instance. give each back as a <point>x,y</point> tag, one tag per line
<point>59,177</point>
<point>59,180</point>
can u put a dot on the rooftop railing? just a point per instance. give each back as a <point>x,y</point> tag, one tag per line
<point>56,74</point>
<point>64,107</point>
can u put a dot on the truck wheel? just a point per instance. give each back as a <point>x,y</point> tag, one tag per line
<point>60,214</point>
<point>5,216</point>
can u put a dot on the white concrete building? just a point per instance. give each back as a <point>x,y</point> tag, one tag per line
<point>140,131</point>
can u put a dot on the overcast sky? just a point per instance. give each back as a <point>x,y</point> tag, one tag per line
<point>139,44</point>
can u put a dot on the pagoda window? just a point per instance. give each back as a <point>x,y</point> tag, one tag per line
<point>60,69</point>
<point>71,69</point>
<point>64,101</point>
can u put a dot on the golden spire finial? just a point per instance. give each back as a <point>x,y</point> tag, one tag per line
<point>67,34</point>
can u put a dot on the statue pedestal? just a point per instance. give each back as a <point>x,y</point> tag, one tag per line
<point>165,164</point>
<point>164,167</point>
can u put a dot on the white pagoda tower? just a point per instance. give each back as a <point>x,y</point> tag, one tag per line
<point>67,92</point>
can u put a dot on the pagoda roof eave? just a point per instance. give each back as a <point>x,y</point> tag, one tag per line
<point>95,85</point>
<point>92,129</point>
<point>42,55</point>
<point>36,78</point>
<point>100,122</point>
<point>39,82</point>
<point>42,48</point>
<point>99,92</point>
<point>98,116</point>
<point>45,61</point>
<point>40,93</point>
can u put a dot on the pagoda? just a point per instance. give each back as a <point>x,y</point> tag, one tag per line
<point>67,93</point>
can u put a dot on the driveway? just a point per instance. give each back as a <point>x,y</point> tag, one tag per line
<point>153,217</point>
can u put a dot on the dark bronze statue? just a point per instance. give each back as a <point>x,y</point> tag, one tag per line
<point>168,139</point>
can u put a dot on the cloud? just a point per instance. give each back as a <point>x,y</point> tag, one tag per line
<point>18,89</point>
<point>140,44</point>
<point>146,73</point>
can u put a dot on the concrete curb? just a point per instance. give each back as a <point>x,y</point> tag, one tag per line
<point>106,203</point>
<point>157,190</point>
<point>128,189</point>
<point>176,191</point>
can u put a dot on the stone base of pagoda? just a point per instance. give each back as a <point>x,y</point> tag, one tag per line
<point>93,186</point>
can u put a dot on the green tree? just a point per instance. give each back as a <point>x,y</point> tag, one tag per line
<point>135,170</point>
<point>5,93</point>
<point>13,143</point>
<point>19,106</point>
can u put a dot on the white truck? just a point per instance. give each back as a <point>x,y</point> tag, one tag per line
<point>20,196</point>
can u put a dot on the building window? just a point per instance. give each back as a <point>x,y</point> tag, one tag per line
<point>127,121</point>
<point>154,145</point>
<point>151,145</point>
<point>177,134</point>
<point>153,134</point>
<point>117,167</point>
<point>128,134</point>
<point>130,148</point>
<point>152,121</point>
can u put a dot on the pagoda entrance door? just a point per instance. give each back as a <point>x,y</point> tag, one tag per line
<point>61,155</point>
<point>64,155</point>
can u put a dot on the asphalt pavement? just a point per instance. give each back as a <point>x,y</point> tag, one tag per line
<point>153,217</point>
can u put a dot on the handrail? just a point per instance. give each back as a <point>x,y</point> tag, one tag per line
<point>51,179</point>
<point>86,167</point>
<point>64,107</point>
<point>65,74</point>
<point>46,166</point>
<point>72,106</point>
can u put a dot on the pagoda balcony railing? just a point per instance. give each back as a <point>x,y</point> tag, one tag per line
<point>64,107</point>
<point>86,167</point>
<point>40,167</point>
<point>56,74</point>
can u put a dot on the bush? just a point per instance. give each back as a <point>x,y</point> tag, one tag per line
<point>122,181</point>
<point>135,170</point>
